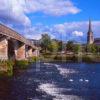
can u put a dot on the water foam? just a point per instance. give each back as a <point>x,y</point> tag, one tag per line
<point>52,90</point>
<point>65,72</point>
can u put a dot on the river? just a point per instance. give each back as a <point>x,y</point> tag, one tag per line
<point>53,81</point>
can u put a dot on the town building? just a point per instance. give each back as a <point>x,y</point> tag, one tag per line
<point>90,36</point>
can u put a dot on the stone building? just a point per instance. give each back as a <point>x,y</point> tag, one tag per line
<point>90,37</point>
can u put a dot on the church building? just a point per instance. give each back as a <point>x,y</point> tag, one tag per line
<point>90,37</point>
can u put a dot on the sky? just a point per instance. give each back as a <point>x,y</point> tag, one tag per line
<point>61,19</point>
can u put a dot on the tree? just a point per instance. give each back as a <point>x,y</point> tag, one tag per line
<point>77,48</point>
<point>69,46</point>
<point>45,42</point>
<point>91,48</point>
<point>54,46</point>
<point>98,49</point>
<point>61,46</point>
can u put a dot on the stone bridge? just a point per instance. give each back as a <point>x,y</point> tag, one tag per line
<point>15,46</point>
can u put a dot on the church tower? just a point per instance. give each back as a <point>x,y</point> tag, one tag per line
<point>90,38</point>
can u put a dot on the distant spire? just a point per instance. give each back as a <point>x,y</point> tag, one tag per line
<point>90,26</point>
<point>90,38</point>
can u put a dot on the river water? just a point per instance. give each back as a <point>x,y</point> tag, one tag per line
<point>53,81</point>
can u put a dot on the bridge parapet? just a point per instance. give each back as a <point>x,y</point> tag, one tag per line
<point>4,30</point>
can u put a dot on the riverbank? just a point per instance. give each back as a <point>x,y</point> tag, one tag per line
<point>10,67</point>
<point>88,58</point>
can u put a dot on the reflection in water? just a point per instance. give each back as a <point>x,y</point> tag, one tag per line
<point>54,81</point>
<point>4,89</point>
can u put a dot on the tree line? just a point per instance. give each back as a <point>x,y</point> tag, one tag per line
<point>52,45</point>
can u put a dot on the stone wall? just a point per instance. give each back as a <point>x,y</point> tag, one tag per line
<point>3,48</point>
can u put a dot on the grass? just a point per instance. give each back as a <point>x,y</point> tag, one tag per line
<point>33,59</point>
<point>22,64</point>
<point>7,67</point>
<point>71,58</point>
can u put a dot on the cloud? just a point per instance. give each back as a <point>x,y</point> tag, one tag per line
<point>77,33</point>
<point>36,31</point>
<point>15,14</point>
<point>67,31</point>
<point>54,7</point>
<point>16,11</point>
<point>13,11</point>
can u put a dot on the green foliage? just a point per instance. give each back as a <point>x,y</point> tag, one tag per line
<point>21,64</point>
<point>77,48</point>
<point>87,59</point>
<point>97,49</point>
<point>60,45</point>
<point>54,46</point>
<point>69,46</point>
<point>8,67</point>
<point>33,59</point>
<point>91,48</point>
<point>45,42</point>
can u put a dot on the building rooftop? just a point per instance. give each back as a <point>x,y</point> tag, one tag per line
<point>97,41</point>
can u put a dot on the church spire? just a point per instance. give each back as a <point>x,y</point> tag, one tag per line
<point>90,37</point>
<point>90,26</point>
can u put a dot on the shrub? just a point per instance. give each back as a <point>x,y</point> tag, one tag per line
<point>7,68</point>
<point>10,65</point>
<point>87,59</point>
<point>33,59</point>
<point>21,64</point>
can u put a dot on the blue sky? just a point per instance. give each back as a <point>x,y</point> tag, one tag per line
<point>61,19</point>
<point>89,9</point>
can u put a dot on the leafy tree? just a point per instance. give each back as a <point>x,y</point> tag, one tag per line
<point>97,49</point>
<point>61,45</point>
<point>69,46</point>
<point>54,46</point>
<point>77,48</point>
<point>45,42</point>
<point>91,48</point>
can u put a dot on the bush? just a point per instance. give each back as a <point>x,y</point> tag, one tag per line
<point>87,59</point>
<point>21,64</point>
<point>33,59</point>
<point>7,68</point>
<point>10,65</point>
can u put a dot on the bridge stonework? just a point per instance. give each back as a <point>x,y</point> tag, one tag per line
<point>3,48</point>
<point>29,52</point>
<point>14,45</point>
<point>19,51</point>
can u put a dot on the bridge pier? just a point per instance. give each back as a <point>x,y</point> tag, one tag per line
<point>20,51</point>
<point>11,49</point>
<point>3,48</point>
<point>15,50</point>
<point>35,52</point>
<point>29,52</point>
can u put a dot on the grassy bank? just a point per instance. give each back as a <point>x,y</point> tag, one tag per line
<point>89,58</point>
<point>7,67</point>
